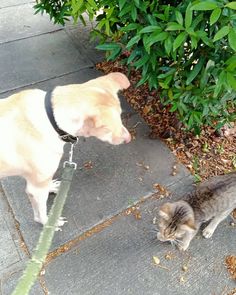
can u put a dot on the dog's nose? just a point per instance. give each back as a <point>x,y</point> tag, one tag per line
<point>126,135</point>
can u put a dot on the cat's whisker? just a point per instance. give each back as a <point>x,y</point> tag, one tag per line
<point>154,230</point>
<point>173,242</point>
<point>179,242</point>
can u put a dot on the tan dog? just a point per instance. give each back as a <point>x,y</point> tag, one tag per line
<point>31,147</point>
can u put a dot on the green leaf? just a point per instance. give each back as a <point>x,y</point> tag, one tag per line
<point>132,56</point>
<point>231,80</point>
<point>108,46</point>
<point>149,29</point>
<point>139,63</point>
<point>168,45</point>
<point>194,42</point>
<point>134,13</point>
<point>204,5</point>
<point>197,68</point>
<point>107,27</point>
<point>219,84</point>
<point>143,80</point>
<point>167,12</point>
<point>188,16</point>
<point>137,3</point>
<point>205,39</point>
<point>231,62</point>
<point>160,16</point>
<point>221,33</point>
<point>155,37</point>
<point>179,40</point>
<point>126,9</point>
<point>206,73</point>
<point>121,4</point>
<point>130,27</point>
<point>173,108</point>
<point>174,27</point>
<point>215,15</point>
<point>93,4</point>
<point>114,53</point>
<point>231,5</point>
<point>170,72</point>
<point>133,41</point>
<point>232,39</point>
<point>179,17</point>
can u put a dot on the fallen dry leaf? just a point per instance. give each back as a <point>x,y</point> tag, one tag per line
<point>230,262</point>
<point>88,165</point>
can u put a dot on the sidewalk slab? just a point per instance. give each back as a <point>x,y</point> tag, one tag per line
<point>9,280</point>
<point>10,252</point>
<point>119,260</point>
<point>37,59</point>
<point>9,3</point>
<point>12,256</point>
<point>14,27</point>
<point>81,37</point>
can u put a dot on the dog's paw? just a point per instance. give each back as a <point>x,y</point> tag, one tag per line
<point>61,221</point>
<point>41,220</point>
<point>54,186</point>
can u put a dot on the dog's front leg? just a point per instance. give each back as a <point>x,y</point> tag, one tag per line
<point>38,195</point>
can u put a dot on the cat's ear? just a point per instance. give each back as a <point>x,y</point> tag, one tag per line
<point>189,225</point>
<point>165,211</point>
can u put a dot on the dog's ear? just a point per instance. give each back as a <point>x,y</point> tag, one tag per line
<point>120,79</point>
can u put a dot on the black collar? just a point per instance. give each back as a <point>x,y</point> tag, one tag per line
<point>48,107</point>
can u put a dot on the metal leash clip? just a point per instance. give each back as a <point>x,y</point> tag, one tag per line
<point>70,161</point>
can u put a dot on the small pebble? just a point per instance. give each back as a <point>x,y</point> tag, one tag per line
<point>182,280</point>
<point>154,221</point>
<point>184,268</point>
<point>156,260</point>
<point>168,257</point>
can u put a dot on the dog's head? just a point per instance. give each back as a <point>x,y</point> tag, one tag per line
<point>95,109</point>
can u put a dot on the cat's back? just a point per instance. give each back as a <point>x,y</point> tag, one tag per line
<point>214,195</point>
<point>219,183</point>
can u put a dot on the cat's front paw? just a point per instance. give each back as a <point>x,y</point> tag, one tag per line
<point>207,233</point>
<point>183,247</point>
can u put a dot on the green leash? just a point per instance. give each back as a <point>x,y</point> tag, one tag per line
<point>45,240</point>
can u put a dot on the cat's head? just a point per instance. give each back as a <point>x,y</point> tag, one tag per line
<point>176,219</point>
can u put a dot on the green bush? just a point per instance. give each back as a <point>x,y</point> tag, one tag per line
<point>185,49</point>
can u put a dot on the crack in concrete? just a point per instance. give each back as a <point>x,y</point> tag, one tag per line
<point>100,226</point>
<point>30,36</point>
<point>47,79</point>
<point>22,244</point>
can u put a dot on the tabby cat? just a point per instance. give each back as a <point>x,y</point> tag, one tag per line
<point>212,200</point>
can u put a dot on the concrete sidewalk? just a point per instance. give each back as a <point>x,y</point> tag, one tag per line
<point>107,246</point>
